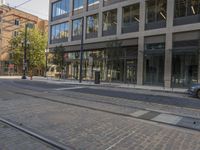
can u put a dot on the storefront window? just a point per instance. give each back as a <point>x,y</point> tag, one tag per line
<point>154,64</point>
<point>185,8</point>
<point>113,67</point>
<point>156,10</point>
<point>185,69</point>
<point>110,22</point>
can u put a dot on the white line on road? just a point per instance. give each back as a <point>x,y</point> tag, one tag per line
<point>120,141</point>
<point>69,88</point>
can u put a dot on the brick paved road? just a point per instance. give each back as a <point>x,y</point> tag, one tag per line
<point>88,129</point>
<point>12,139</point>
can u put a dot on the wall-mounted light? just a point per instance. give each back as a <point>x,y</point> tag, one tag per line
<point>162,15</point>
<point>193,10</point>
<point>136,19</point>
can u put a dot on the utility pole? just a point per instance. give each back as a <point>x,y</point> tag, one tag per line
<point>81,53</point>
<point>24,60</point>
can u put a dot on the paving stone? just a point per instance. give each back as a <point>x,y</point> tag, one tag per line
<point>166,118</point>
<point>139,113</point>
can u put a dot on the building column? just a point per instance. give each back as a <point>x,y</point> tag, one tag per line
<point>199,63</point>
<point>168,61</point>
<point>169,44</point>
<point>70,21</point>
<point>140,63</point>
<point>100,19</point>
<point>119,21</point>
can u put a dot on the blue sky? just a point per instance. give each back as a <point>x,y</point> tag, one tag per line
<point>39,8</point>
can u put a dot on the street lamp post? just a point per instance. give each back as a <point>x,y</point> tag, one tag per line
<point>46,54</point>
<point>81,53</point>
<point>24,60</point>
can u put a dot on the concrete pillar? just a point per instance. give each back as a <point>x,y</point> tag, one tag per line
<point>140,60</point>
<point>70,21</point>
<point>199,62</point>
<point>49,26</point>
<point>100,19</point>
<point>119,21</point>
<point>169,44</point>
<point>141,44</point>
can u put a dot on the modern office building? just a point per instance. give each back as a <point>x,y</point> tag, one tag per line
<point>144,42</point>
<point>11,22</point>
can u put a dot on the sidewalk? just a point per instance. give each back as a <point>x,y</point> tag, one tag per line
<point>102,84</point>
<point>106,84</point>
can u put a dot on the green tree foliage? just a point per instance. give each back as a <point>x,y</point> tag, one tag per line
<point>37,43</point>
<point>58,57</point>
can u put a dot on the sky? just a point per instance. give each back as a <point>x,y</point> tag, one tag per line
<point>38,8</point>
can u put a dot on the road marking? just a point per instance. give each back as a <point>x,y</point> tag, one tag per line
<point>166,118</point>
<point>139,113</point>
<point>69,88</point>
<point>120,141</point>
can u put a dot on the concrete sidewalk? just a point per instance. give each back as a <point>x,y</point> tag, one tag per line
<point>102,84</point>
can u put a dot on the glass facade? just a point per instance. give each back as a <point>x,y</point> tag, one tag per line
<point>185,8</point>
<point>131,18</point>
<point>114,66</point>
<point>156,13</point>
<point>92,26</point>
<point>76,29</point>
<point>185,63</point>
<point>78,4</point>
<point>92,2</point>
<point>60,33</point>
<point>154,56</point>
<point>110,22</point>
<point>60,8</point>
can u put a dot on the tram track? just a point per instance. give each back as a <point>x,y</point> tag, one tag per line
<point>113,112</point>
<point>52,143</point>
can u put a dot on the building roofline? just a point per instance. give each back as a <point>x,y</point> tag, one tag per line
<point>12,8</point>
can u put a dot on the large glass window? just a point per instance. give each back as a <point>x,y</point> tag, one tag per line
<point>156,10</point>
<point>154,63</point>
<point>186,8</point>
<point>92,2</point>
<point>59,32</point>
<point>110,22</point>
<point>130,18</point>
<point>60,8</point>
<point>92,25</point>
<point>131,14</point>
<point>77,28</point>
<point>78,4</point>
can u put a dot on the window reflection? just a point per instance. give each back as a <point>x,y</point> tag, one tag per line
<point>60,8</point>
<point>59,31</point>
<point>110,22</point>
<point>92,24</point>
<point>77,27</point>
<point>156,10</point>
<point>78,4</point>
<point>187,8</point>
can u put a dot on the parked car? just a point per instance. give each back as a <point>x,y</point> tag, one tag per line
<point>194,90</point>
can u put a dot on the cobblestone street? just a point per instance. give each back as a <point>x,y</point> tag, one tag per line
<point>88,121</point>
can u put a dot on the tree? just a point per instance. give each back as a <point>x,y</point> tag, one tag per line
<point>58,57</point>
<point>37,42</point>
